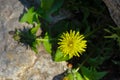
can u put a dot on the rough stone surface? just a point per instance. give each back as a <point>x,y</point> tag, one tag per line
<point>16,61</point>
<point>114,9</point>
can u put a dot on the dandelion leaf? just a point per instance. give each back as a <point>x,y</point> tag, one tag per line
<point>59,56</point>
<point>92,74</point>
<point>29,17</point>
<point>47,44</point>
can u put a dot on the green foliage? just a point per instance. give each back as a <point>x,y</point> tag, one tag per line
<point>60,57</point>
<point>57,5</point>
<point>49,7</point>
<point>45,11</point>
<point>97,61</point>
<point>30,16</point>
<point>115,34</point>
<point>85,74</point>
<point>35,29</point>
<point>47,44</point>
<point>28,37</point>
<point>34,46</point>
<point>92,73</point>
<point>88,17</point>
<point>46,5</point>
<point>73,74</point>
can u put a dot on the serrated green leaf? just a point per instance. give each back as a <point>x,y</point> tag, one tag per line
<point>47,44</point>
<point>92,73</point>
<point>35,29</point>
<point>100,75</point>
<point>97,60</point>
<point>59,56</point>
<point>29,17</point>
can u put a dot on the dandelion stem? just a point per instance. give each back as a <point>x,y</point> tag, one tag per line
<point>85,60</point>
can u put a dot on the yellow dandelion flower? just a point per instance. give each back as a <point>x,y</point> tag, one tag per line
<point>72,43</point>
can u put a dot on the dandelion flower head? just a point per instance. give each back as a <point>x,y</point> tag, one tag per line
<point>72,43</point>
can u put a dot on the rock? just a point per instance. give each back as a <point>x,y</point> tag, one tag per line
<point>114,9</point>
<point>16,61</point>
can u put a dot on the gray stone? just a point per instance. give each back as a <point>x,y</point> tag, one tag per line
<point>16,61</point>
<point>114,9</point>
